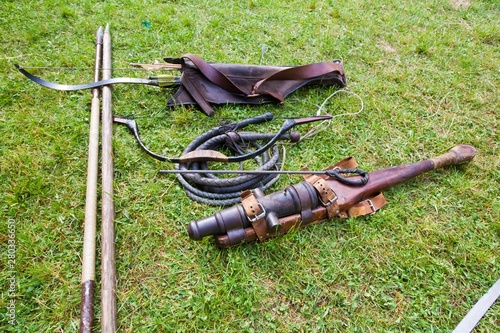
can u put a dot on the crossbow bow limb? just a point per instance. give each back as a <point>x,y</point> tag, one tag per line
<point>158,81</point>
<point>215,156</point>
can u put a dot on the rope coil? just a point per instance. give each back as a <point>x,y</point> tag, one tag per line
<point>212,190</point>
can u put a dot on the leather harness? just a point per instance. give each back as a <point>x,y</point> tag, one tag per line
<point>256,214</point>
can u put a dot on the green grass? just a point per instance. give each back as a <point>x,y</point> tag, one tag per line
<point>428,74</point>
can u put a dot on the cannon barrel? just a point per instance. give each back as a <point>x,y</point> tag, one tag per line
<point>232,221</point>
<point>300,204</point>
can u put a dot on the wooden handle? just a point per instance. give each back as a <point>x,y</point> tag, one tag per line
<point>201,155</point>
<point>456,155</point>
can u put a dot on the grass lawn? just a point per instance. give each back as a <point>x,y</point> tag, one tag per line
<point>428,74</point>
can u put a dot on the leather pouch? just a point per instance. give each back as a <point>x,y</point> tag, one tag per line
<point>207,84</point>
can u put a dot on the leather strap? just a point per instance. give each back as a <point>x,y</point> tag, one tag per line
<point>306,203</point>
<point>214,75</point>
<point>193,91</point>
<point>327,196</point>
<point>365,207</point>
<point>255,214</point>
<point>299,73</point>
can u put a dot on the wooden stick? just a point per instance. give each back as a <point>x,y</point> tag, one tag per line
<point>89,232</point>
<point>108,279</point>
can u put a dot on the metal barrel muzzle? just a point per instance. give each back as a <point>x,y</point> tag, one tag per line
<point>295,199</point>
<point>222,222</point>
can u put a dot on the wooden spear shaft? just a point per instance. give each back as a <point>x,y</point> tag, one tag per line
<point>89,232</point>
<point>108,279</point>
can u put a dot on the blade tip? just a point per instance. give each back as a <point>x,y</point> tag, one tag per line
<point>99,35</point>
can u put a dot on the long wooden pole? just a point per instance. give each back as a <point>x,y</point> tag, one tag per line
<point>89,232</point>
<point>108,278</point>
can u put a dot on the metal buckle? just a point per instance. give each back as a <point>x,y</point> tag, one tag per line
<point>372,206</point>
<point>326,204</point>
<point>257,217</point>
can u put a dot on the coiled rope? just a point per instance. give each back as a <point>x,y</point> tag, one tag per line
<point>213,190</point>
